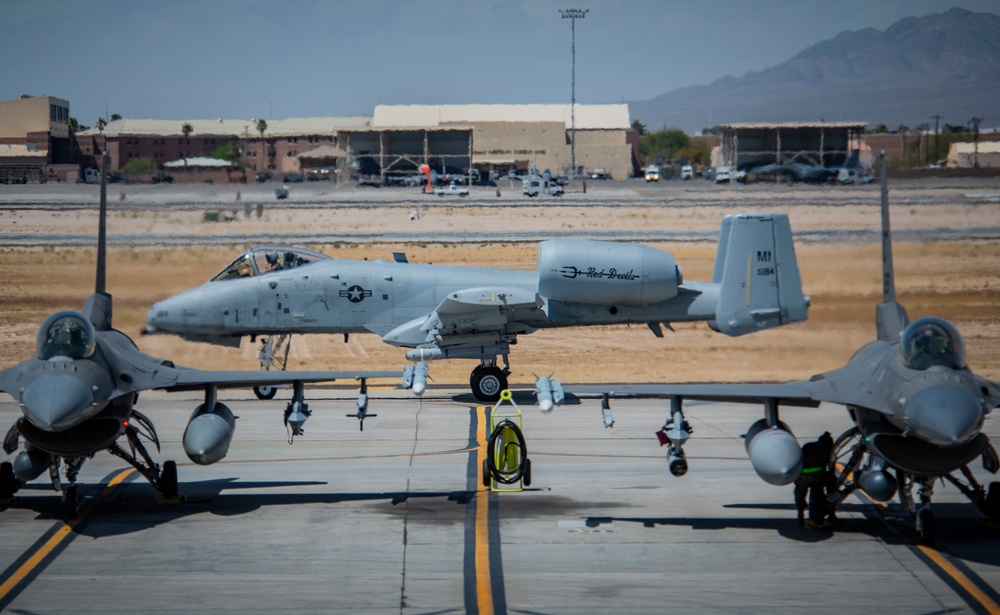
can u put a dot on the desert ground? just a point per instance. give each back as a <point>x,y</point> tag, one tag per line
<point>947,258</point>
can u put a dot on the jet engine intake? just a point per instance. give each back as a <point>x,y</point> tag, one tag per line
<point>598,272</point>
<point>209,433</point>
<point>774,453</point>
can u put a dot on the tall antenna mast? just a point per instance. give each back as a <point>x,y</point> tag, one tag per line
<point>102,230</point>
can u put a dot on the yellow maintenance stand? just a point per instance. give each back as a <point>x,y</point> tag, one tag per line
<point>506,467</point>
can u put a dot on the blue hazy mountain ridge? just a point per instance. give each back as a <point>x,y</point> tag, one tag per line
<point>947,64</point>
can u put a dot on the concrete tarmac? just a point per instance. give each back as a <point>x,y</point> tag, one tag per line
<point>395,519</point>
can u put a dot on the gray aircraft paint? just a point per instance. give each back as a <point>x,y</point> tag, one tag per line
<point>917,407</point>
<point>444,312</point>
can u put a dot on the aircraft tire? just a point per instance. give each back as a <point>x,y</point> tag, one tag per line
<point>526,476</point>
<point>486,473</point>
<point>265,392</point>
<point>70,503</point>
<point>925,526</point>
<point>8,484</point>
<point>168,479</point>
<point>993,501</point>
<point>487,382</point>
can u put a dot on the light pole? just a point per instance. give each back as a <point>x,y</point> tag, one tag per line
<point>573,15</point>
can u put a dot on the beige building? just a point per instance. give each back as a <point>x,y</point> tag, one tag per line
<point>502,137</point>
<point>34,131</point>
<point>969,155</point>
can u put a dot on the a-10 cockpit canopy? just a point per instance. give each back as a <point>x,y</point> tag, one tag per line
<point>267,259</point>
<point>67,335</point>
<point>930,341</point>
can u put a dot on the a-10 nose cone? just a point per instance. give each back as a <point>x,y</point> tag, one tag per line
<point>944,415</point>
<point>56,402</point>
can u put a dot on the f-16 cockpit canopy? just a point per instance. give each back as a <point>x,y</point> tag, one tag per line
<point>262,260</point>
<point>931,341</point>
<point>66,334</point>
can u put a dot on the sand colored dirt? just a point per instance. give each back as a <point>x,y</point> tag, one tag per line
<point>955,280</point>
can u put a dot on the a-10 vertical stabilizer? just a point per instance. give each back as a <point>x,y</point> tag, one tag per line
<point>758,275</point>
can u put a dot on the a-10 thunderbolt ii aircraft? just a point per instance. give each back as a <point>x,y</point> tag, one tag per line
<point>917,410</point>
<point>78,396</point>
<point>448,312</point>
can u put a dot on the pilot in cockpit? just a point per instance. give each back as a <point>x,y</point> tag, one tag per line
<point>272,261</point>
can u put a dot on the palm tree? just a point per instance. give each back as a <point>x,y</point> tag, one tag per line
<point>186,130</point>
<point>261,127</point>
<point>101,123</point>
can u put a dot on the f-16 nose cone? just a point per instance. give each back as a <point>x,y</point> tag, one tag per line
<point>56,402</point>
<point>944,415</point>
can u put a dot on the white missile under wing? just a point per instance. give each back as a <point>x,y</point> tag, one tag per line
<point>917,408</point>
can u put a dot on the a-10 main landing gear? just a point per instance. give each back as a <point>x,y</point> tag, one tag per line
<point>488,380</point>
<point>851,456</point>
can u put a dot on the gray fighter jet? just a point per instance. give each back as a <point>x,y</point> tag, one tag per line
<point>446,312</point>
<point>78,396</point>
<point>917,411</point>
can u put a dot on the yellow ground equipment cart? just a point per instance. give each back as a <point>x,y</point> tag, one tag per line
<point>506,467</point>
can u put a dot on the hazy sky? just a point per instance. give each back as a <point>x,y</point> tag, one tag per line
<point>175,59</point>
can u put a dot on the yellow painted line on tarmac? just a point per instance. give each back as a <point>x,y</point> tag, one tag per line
<point>484,588</point>
<point>946,567</point>
<point>60,535</point>
<point>949,569</point>
<point>977,594</point>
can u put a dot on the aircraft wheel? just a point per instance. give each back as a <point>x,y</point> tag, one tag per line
<point>265,392</point>
<point>993,501</point>
<point>526,475</point>
<point>486,473</point>
<point>168,479</point>
<point>487,382</point>
<point>70,503</point>
<point>925,526</point>
<point>8,484</point>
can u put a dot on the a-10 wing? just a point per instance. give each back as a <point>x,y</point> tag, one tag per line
<point>471,316</point>
<point>477,310</point>
<point>790,394</point>
<point>188,379</point>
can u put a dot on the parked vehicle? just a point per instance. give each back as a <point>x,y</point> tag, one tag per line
<point>293,178</point>
<point>652,173</point>
<point>687,172</point>
<point>536,185</point>
<point>92,176</point>
<point>453,189</point>
<point>722,175</point>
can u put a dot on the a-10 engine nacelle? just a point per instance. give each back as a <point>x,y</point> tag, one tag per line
<point>774,453</point>
<point>599,272</point>
<point>209,433</point>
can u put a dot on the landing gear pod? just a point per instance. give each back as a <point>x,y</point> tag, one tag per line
<point>774,453</point>
<point>209,433</point>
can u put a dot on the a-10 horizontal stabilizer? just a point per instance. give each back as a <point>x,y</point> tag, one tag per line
<point>758,275</point>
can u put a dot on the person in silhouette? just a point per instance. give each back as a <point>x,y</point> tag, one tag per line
<point>814,480</point>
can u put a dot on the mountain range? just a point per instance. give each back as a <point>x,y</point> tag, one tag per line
<point>946,64</point>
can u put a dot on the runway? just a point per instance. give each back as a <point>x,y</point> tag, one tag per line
<point>394,519</point>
